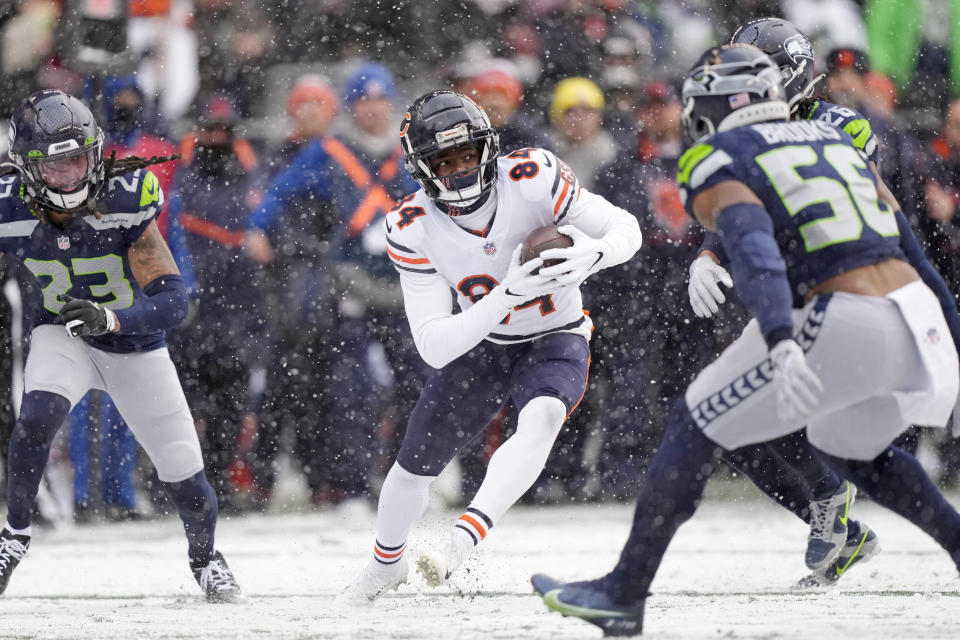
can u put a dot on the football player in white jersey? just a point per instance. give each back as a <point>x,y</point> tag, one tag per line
<point>521,332</point>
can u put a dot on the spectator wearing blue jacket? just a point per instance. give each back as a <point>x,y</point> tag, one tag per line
<point>359,173</point>
<point>310,365</point>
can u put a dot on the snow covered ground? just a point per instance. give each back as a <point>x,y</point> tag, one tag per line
<point>727,575</point>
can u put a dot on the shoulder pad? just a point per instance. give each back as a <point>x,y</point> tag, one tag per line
<point>404,222</point>
<point>849,120</point>
<point>11,194</point>
<point>405,233</point>
<point>134,191</point>
<point>701,161</point>
<point>541,177</point>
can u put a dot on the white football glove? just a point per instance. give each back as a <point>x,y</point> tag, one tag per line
<point>705,293</point>
<point>580,261</point>
<point>521,284</point>
<point>798,387</point>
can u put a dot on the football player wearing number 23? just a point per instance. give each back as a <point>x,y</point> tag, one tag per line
<point>521,333</point>
<point>86,228</point>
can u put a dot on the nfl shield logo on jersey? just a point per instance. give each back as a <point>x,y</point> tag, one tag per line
<point>933,335</point>
<point>63,242</point>
<point>489,248</point>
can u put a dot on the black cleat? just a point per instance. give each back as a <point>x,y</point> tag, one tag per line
<point>589,602</point>
<point>218,582</point>
<point>12,550</point>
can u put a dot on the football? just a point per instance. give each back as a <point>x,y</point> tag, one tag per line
<point>541,239</point>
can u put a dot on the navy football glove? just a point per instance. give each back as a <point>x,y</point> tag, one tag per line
<point>85,317</point>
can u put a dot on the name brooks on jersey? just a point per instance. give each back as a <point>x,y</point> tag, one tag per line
<point>815,184</point>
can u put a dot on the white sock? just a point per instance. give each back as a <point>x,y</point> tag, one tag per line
<point>18,532</point>
<point>517,463</point>
<point>403,499</point>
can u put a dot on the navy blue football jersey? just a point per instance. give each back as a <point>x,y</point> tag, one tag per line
<point>87,258</point>
<point>816,186</point>
<point>846,119</point>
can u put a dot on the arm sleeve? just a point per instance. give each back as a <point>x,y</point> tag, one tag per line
<point>711,242</point>
<point>759,271</point>
<point>912,249</point>
<point>440,335</point>
<point>164,307</point>
<point>617,229</point>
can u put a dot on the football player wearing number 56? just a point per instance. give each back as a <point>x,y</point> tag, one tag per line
<point>86,228</point>
<point>521,333</point>
<point>847,340</point>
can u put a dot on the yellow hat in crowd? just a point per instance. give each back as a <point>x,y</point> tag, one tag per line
<point>575,92</point>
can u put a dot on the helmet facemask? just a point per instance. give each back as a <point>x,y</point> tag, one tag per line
<point>442,121</point>
<point>725,95</point>
<point>465,187</point>
<point>57,147</point>
<point>68,178</point>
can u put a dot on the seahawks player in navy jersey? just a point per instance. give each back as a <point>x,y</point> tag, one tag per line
<point>792,52</point>
<point>816,256</point>
<point>86,228</point>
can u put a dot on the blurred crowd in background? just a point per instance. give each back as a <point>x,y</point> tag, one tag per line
<point>297,353</point>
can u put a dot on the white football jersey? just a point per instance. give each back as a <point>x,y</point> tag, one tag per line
<point>534,189</point>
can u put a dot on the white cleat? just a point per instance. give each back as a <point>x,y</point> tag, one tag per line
<point>436,567</point>
<point>375,580</point>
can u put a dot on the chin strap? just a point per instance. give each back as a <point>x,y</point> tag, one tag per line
<point>453,210</point>
<point>805,94</point>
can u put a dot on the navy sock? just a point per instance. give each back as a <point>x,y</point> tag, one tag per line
<point>773,476</point>
<point>197,504</point>
<point>41,415</point>
<point>896,480</point>
<point>670,494</point>
<point>804,459</point>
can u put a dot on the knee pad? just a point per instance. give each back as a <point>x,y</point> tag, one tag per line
<point>401,476</point>
<point>176,461</point>
<point>542,417</point>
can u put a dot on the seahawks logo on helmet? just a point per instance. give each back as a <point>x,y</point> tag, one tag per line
<point>797,46</point>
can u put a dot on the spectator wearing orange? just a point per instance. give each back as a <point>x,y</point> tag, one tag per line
<point>358,172</point>
<point>576,114</point>
<point>499,92</point>
<point>219,354</point>
<point>880,92</point>
<point>298,246</point>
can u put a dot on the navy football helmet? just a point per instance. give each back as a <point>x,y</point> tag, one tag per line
<point>731,86</point>
<point>442,120</point>
<point>57,147</point>
<point>789,49</point>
